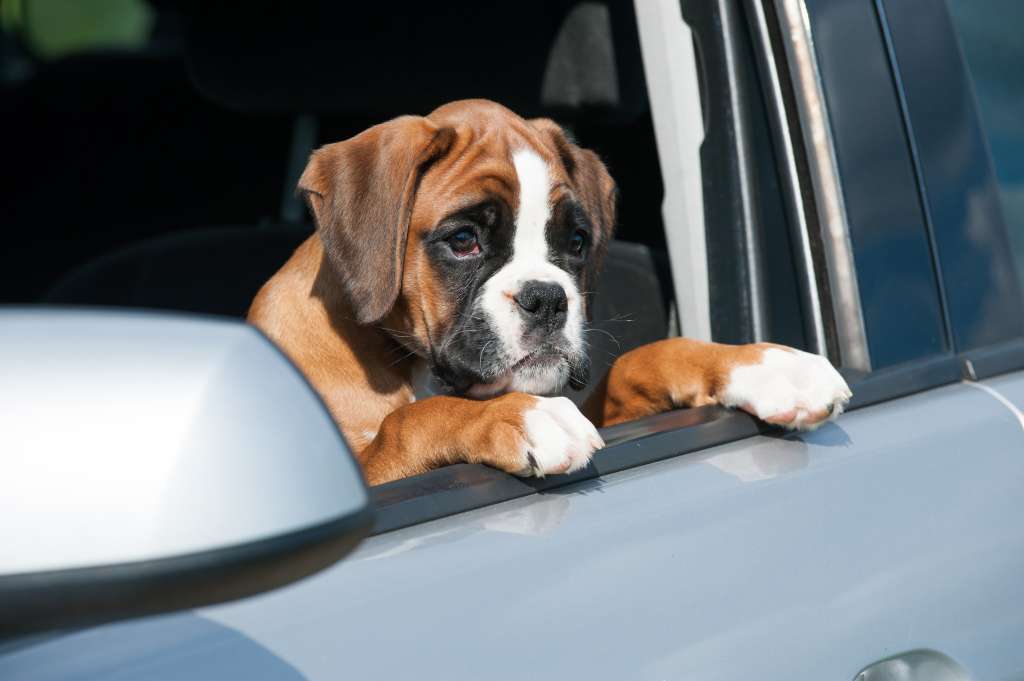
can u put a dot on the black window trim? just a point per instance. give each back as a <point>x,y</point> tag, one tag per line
<point>464,487</point>
<point>736,279</point>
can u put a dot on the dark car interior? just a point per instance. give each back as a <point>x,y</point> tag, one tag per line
<point>170,166</point>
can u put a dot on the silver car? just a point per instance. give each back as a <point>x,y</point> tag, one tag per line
<point>837,175</point>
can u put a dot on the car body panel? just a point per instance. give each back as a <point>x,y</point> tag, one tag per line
<point>1010,386</point>
<point>797,556</point>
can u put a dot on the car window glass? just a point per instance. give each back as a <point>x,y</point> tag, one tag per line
<point>989,35</point>
<point>960,190</point>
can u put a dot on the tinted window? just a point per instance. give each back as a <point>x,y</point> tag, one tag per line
<point>990,35</point>
<point>895,272</point>
<point>962,192</point>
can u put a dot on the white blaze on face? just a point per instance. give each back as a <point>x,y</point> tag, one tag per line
<point>529,262</point>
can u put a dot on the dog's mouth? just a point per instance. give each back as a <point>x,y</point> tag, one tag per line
<point>532,364</point>
<point>537,359</point>
<point>487,381</point>
<point>542,371</point>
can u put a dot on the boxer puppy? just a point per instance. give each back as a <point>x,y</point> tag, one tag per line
<point>458,252</point>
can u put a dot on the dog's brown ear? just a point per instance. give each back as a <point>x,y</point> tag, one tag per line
<point>361,194</point>
<point>594,188</point>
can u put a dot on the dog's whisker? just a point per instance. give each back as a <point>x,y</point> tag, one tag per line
<point>619,318</point>
<point>609,334</point>
<point>399,334</point>
<point>482,351</point>
<point>400,359</point>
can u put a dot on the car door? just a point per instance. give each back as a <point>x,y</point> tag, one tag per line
<point>798,556</point>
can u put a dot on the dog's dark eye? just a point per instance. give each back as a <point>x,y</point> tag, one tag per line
<point>464,243</point>
<point>577,242</point>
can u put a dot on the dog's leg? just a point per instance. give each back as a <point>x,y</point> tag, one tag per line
<point>777,384</point>
<point>518,433</point>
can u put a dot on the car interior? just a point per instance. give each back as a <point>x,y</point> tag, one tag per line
<point>171,164</point>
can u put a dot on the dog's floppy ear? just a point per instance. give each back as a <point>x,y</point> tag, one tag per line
<point>361,194</point>
<point>594,188</point>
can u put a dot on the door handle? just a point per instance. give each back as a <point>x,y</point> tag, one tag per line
<point>915,665</point>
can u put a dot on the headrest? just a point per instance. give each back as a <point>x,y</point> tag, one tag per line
<point>538,57</point>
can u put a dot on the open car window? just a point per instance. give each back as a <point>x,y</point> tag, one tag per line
<point>185,162</point>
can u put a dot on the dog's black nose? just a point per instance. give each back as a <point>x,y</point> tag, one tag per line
<point>543,302</point>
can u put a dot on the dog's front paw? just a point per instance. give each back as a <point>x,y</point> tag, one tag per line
<point>552,436</point>
<point>789,388</point>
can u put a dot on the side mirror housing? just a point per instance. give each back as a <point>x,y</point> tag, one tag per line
<point>151,463</point>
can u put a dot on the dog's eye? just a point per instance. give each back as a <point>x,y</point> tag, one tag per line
<point>464,243</point>
<point>577,242</point>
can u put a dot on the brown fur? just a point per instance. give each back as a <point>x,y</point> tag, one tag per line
<point>667,374</point>
<point>358,301</point>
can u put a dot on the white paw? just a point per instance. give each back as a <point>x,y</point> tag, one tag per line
<point>559,439</point>
<point>789,388</point>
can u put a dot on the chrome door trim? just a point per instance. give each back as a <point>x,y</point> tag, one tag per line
<point>823,177</point>
<point>824,172</point>
<point>790,178</point>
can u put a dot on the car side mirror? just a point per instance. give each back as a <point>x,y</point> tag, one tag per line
<point>151,463</point>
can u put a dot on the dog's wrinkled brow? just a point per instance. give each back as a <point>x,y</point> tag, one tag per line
<point>475,206</point>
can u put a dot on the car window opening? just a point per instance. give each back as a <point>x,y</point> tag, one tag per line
<point>129,239</point>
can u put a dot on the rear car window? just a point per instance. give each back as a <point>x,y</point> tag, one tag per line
<point>989,35</point>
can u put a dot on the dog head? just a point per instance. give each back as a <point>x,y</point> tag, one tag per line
<point>473,236</point>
